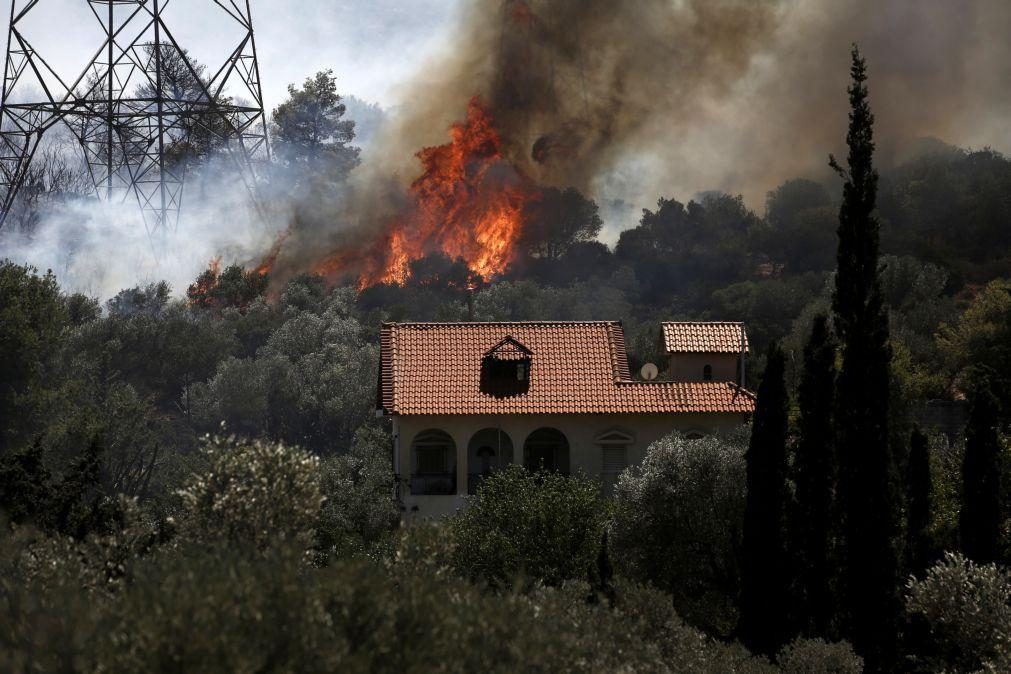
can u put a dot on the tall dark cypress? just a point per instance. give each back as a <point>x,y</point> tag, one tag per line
<point>919,543</point>
<point>867,476</point>
<point>814,475</point>
<point>764,618</point>
<point>980,517</point>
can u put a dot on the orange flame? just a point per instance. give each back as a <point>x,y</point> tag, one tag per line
<point>199,293</point>
<point>267,264</point>
<point>468,203</point>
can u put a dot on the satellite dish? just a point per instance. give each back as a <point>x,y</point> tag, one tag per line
<point>649,371</point>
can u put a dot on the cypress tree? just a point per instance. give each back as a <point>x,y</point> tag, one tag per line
<point>980,517</point>
<point>867,495</point>
<point>764,618</point>
<point>919,544</point>
<point>814,475</point>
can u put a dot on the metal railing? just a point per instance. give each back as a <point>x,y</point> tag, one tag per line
<point>433,484</point>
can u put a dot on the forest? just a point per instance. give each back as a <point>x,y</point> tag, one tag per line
<point>195,478</point>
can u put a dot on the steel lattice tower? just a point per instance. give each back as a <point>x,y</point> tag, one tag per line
<point>141,109</point>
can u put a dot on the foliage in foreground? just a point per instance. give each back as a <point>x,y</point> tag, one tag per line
<point>678,523</point>
<point>232,608</point>
<point>967,607</point>
<point>257,494</point>
<point>544,525</point>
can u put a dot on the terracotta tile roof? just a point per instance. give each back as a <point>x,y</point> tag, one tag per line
<point>578,367</point>
<point>699,337</point>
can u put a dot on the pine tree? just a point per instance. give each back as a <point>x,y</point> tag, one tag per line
<point>76,498</point>
<point>24,484</point>
<point>764,619</point>
<point>980,518</point>
<point>867,492</point>
<point>919,543</point>
<point>814,475</point>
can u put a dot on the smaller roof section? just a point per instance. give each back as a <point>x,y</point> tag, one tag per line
<point>509,349</point>
<point>703,337</point>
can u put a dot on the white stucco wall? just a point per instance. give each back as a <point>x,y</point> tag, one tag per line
<point>580,430</point>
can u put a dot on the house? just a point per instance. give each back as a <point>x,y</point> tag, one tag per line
<point>705,351</point>
<point>465,399</point>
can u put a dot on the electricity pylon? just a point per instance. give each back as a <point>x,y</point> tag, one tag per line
<point>141,109</point>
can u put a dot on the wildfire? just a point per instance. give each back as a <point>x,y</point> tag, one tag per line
<point>199,293</point>
<point>468,203</point>
<point>270,260</point>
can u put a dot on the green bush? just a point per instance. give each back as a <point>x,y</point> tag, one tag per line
<point>221,609</point>
<point>255,493</point>
<point>967,607</point>
<point>677,524</point>
<point>648,612</point>
<point>359,511</point>
<point>816,656</point>
<point>545,526</point>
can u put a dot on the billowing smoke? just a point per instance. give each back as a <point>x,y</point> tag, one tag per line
<point>671,97</point>
<point>100,248</point>
<point>633,100</point>
<point>629,101</point>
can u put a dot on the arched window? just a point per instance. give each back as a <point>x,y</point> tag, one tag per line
<point>434,455</point>
<point>707,373</point>
<point>489,450</point>
<point>546,449</point>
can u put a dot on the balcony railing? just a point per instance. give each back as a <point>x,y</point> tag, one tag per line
<point>433,484</point>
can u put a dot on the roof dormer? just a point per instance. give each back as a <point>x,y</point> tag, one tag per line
<point>505,368</point>
<point>705,351</point>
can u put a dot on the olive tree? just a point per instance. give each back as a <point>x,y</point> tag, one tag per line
<point>678,523</point>
<point>542,525</point>
<point>967,607</point>
<point>253,493</point>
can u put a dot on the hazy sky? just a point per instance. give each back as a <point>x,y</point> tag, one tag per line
<point>372,45</point>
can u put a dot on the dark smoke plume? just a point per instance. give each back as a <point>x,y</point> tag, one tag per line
<point>637,99</point>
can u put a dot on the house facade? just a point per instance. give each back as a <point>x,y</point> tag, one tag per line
<point>466,399</point>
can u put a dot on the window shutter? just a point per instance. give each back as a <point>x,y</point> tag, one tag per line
<point>615,459</point>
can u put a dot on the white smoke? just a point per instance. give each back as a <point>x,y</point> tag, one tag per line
<point>99,248</point>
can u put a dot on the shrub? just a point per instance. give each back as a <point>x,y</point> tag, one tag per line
<point>648,612</point>
<point>359,511</point>
<point>967,607</point>
<point>218,609</point>
<point>677,524</point>
<point>544,525</point>
<point>815,656</point>
<point>253,493</point>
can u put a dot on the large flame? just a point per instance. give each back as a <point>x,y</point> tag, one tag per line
<point>468,203</point>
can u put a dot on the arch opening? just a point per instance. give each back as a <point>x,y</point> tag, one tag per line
<point>488,450</point>
<point>546,449</point>
<point>433,454</point>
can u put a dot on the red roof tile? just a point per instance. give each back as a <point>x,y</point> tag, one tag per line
<point>579,367</point>
<point>699,337</point>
